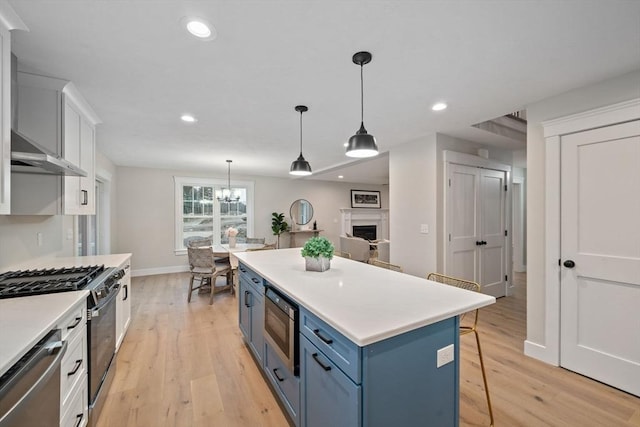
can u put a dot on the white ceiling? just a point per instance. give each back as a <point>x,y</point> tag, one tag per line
<point>141,70</point>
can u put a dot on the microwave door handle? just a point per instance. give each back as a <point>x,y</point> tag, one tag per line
<point>54,350</point>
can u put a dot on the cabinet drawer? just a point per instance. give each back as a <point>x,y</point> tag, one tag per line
<point>330,398</point>
<point>287,385</point>
<point>73,368</point>
<point>73,322</point>
<point>250,276</point>
<point>343,352</point>
<point>77,412</point>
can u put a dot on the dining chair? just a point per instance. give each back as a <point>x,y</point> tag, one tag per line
<point>467,329</point>
<point>255,240</point>
<point>199,243</point>
<point>386,265</point>
<point>205,269</point>
<point>342,254</point>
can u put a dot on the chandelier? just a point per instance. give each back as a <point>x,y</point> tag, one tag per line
<point>227,195</point>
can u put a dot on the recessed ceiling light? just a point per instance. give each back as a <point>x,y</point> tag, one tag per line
<point>199,28</point>
<point>439,106</point>
<point>340,176</point>
<point>187,118</point>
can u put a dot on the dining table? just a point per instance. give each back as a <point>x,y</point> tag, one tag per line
<point>222,249</point>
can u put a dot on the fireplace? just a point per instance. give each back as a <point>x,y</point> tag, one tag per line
<point>367,232</point>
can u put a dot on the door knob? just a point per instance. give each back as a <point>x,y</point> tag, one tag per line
<point>569,263</point>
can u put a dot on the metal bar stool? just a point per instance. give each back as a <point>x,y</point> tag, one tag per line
<point>470,286</point>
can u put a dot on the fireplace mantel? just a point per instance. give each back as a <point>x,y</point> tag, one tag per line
<point>363,216</point>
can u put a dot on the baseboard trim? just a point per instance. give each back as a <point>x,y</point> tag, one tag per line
<point>540,352</point>
<point>159,270</point>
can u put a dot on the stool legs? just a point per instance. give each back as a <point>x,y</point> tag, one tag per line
<point>484,376</point>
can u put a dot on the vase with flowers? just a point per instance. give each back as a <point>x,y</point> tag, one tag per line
<point>231,233</point>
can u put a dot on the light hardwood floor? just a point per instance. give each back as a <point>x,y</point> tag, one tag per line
<point>186,365</point>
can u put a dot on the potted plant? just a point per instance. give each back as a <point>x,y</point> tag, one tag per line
<point>278,225</point>
<point>317,253</point>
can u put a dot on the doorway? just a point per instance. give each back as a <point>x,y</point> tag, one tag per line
<point>477,240</point>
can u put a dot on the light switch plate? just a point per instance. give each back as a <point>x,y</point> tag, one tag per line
<point>445,355</point>
<point>424,228</point>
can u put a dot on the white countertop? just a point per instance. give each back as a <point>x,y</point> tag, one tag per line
<point>112,260</point>
<point>25,320</point>
<point>365,303</point>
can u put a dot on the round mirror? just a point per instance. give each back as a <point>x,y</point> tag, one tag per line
<point>301,212</point>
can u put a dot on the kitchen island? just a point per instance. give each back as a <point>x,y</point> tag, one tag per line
<point>376,347</point>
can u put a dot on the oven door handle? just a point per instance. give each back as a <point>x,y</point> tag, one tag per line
<point>95,312</point>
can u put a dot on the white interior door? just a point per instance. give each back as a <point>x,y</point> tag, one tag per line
<point>476,227</point>
<point>492,232</point>
<point>600,234</point>
<point>464,235</point>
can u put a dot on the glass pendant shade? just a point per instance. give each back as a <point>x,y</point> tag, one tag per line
<point>300,167</point>
<point>362,144</point>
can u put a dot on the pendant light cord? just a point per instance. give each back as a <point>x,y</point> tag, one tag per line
<point>300,132</point>
<point>361,94</point>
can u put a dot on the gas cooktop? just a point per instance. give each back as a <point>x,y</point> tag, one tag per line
<point>45,281</point>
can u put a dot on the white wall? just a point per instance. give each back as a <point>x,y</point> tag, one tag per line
<point>145,211</point>
<point>416,191</point>
<point>598,95</point>
<point>18,238</point>
<point>412,202</point>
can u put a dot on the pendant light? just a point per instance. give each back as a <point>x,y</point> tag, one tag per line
<point>226,195</point>
<point>362,144</point>
<point>300,166</point>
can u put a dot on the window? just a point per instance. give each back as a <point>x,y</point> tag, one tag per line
<point>199,214</point>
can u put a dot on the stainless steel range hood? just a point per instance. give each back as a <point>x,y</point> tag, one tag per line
<point>28,156</point>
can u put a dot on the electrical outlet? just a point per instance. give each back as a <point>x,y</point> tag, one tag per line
<point>424,228</point>
<point>39,239</point>
<point>445,355</point>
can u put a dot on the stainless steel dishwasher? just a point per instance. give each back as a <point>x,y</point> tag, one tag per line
<point>30,389</point>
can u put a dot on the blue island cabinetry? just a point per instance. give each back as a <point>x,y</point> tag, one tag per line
<point>390,382</point>
<point>251,310</point>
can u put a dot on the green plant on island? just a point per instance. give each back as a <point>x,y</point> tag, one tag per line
<point>317,247</point>
<point>278,225</point>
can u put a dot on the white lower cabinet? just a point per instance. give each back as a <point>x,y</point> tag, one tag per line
<point>123,304</point>
<point>77,411</point>
<point>74,405</point>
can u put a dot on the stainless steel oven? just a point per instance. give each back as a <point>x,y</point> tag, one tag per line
<point>101,346</point>
<point>281,328</point>
<point>30,389</point>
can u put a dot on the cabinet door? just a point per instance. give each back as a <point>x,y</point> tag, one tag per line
<point>329,397</point>
<point>71,144</point>
<point>5,121</point>
<point>244,311</point>
<point>257,325</point>
<point>87,162</point>
<point>123,307</point>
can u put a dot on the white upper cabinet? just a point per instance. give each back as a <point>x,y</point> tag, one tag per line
<point>79,148</point>
<point>54,113</point>
<point>9,20</point>
<point>5,120</point>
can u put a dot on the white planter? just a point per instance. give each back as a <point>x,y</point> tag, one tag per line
<point>317,264</point>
